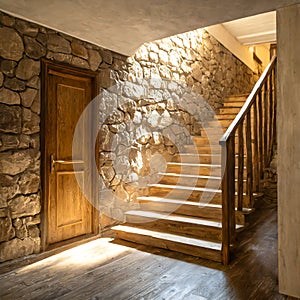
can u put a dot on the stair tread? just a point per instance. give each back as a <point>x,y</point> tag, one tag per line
<point>178,218</point>
<point>246,210</point>
<point>190,176</point>
<point>193,165</point>
<point>170,237</point>
<point>184,187</point>
<point>199,154</point>
<point>174,217</point>
<point>179,202</point>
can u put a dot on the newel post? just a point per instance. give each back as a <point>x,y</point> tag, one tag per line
<point>228,196</point>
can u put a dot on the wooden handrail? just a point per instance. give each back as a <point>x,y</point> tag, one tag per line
<point>254,132</point>
<point>249,102</point>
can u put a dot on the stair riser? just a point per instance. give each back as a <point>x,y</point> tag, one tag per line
<point>181,228</point>
<point>206,212</point>
<point>234,104</point>
<point>204,141</point>
<point>216,124</point>
<point>229,110</point>
<point>198,182</point>
<point>206,171</point>
<point>178,247</point>
<point>196,170</point>
<point>203,149</point>
<point>212,183</point>
<point>184,209</point>
<point>226,117</point>
<point>184,195</point>
<point>198,159</point>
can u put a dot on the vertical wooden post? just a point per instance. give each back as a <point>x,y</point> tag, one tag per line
<point>260,135</point>
<point>249,160</point>
<point>265,127</point>
<point>271,86</point>
<point>255,149</point>
<point>228,197</point>
<point>240,183</point>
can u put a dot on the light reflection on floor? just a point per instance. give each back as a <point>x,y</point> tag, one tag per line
<point>86,255</point>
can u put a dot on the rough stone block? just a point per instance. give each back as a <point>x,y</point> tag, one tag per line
<point>18,248</point>
<point>6,230</point>
<point>29,183</point>
<point>95,59</point>
<point>11,44</point>
<point>8,67</point>
<point>79,50</point>
<point>15,162</point>
<point>9,97</point>
<point>9,188</point>
<point>57,43</point>
<point>27,28</point>
<point>10,119</point>
<point>14,84</point>
<point>33,48</point>
<point>28,68</point>
<point>23,206</point>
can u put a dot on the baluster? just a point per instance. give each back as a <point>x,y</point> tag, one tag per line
<point>228,197</point>
<point>275,108</point>
<point>249,161</point>
<point>260,135</point>
<point>265,127</point>
<point>240,185</point>
<point>255,149</point>
<point>271,117</point>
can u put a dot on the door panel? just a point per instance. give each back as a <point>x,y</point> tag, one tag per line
<point>69,213</point>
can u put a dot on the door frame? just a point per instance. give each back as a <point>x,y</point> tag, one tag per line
<point>46,66</point>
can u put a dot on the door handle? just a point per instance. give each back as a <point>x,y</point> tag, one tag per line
<point>54,161</point>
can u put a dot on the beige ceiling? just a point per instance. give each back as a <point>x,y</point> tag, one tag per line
<point>254,30</point>
<point>123,25</point>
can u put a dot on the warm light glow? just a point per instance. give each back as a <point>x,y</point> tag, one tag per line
<point>200,35</point>
<point>89,254</point>
<point>252,49</point>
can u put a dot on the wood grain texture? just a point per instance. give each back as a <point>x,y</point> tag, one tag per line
<point>66,91</point>
<point>105,270</point>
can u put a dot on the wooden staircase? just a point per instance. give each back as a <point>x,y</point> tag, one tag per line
<point>198,207</point>
<point>183,212</point>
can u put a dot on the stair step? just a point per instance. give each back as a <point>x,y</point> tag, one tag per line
<point>198,169</point>
<point>211,211</point>
<point>204,140</point>
<point>200,194</point>
<point>187,179</point>
<point>219,123</point>
<point>215,149</point>
<point>213,182</point>
<point>186,245</point>
<point>194,169</point>
<point>176,224</point>
<point>237,97</point>
<point>189,208</point>
<point>230,117</point>
<point>203,158</point>
<point>229,110</point>
<point>237,104</point>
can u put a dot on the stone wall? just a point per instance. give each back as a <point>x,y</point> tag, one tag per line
<point>171,88</point>
<point>22,46</point>
<point>153,102</point>
<point>197,60</point>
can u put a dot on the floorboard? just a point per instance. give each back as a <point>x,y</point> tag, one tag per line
<point>107,269</point>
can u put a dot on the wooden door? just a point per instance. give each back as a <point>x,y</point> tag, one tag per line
<point>69,214</point>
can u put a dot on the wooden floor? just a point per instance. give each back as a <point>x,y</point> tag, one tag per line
<point>102,269</point>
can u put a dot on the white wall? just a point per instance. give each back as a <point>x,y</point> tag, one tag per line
<point>288,24</point>
<point>240,51</point>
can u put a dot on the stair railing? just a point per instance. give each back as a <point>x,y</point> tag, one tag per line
<point>253,131</point>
